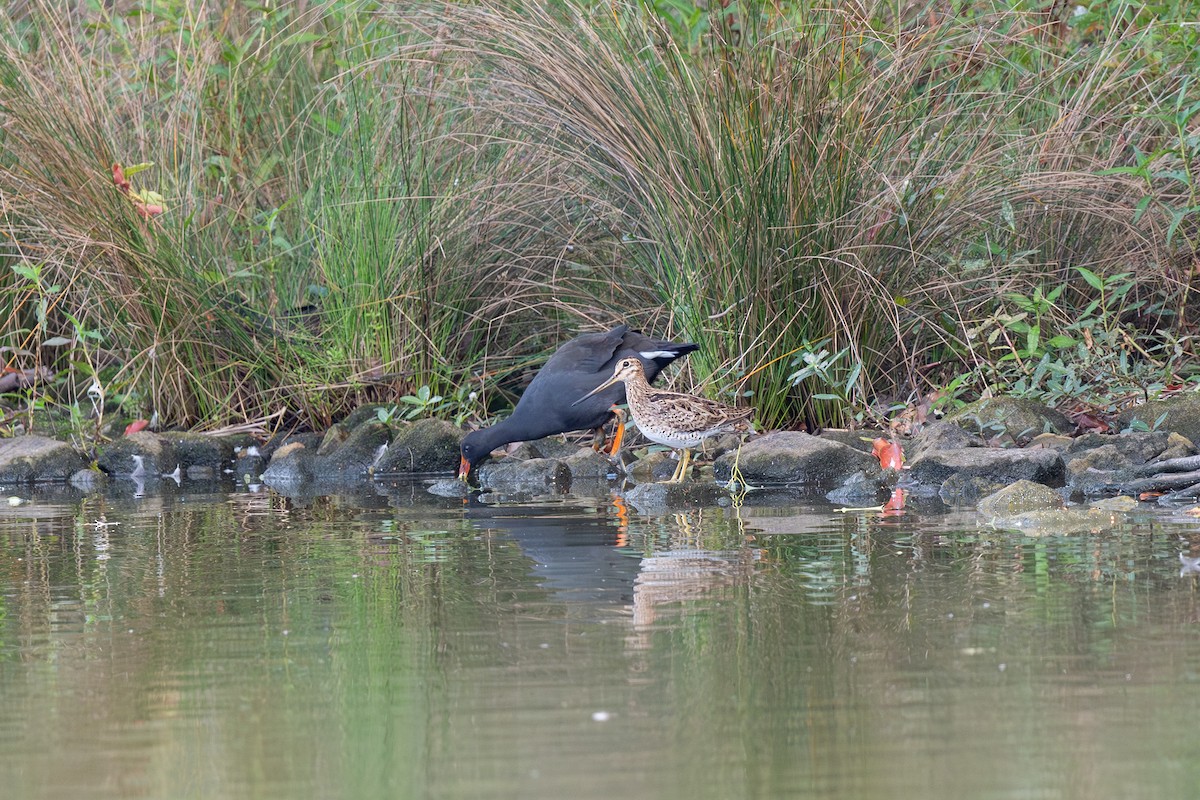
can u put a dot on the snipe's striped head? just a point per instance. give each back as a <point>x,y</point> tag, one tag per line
<point>626,369</point>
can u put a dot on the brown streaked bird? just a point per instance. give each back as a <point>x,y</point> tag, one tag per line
<point>680,421</point>
<point>546,407</point>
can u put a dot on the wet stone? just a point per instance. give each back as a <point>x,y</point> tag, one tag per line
<point>963,490</point>
<point>534,476</point>
<point>1020,497</point>
<point>290,464</point>
<point>139,454</point>
<point>655,466</point>
<point>860,489</point>
<point>586,463</point>
<point>421,447</point>
<point>449,487</point>
<point>1002,466</point>
<point>793,457</point>
<point>32,459</point>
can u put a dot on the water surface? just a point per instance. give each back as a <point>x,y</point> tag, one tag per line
<point>235,645</point>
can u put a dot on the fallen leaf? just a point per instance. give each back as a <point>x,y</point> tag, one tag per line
<point>136,425</point>
<point>890,455</point>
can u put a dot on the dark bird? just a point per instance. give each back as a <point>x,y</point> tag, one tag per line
<point>578,367</point>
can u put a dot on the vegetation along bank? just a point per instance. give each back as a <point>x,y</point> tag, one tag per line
<point>271,215</point>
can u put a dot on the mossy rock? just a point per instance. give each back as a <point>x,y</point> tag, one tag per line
<point>1179,414</point>
<point>1019,497</point>
<point>1018,418</point>
<point>424,446</point>
<point>37,459</point>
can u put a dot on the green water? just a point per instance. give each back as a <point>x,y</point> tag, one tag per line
<point>250,646</point>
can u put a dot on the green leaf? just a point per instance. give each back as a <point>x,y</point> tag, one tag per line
<point>1176,218</point>
<point>1060,341</point>
<point>134,169</point>
<point>1092,278</point>
<point>1141,207</point>
<point>56,341</point>
<point>852,381</point>
<point>31,274</point>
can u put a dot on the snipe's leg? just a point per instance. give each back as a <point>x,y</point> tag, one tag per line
<point>681,468</point>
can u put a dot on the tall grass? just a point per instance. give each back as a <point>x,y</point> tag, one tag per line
<point>826,176</point>
<point>361,201</point>
<point>330,237</point>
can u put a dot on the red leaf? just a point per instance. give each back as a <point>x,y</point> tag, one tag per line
<point>890,455</point>
<point>120,180</point>
<point>136,425</point>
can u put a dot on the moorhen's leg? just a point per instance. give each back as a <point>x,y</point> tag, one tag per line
<point>618,433</point>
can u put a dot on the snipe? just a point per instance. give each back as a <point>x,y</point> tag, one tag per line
<point>680,421</point>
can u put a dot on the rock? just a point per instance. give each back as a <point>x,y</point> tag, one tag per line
<point>1180,413</point>
<point>651,498</point>
<point>290,464</point>
<point>794,457</point>
<point>201,472</point>
<point>1019,497</point>
<point>966,490</point>
<point>1133,447</point>
<point>998,465</point>
<point>36,459</point>
<point>859,440</point>
<point>142,454</point>
<point>1177,447</point>
<point>656,466</point>
<point>89,480</point>
<point>1123,503</point>
<point>449,487</point>
<point>1093,471</point>
<point>550,447</point>
<point>369,412</point>
<point>353,460</point>
<point>940,435</point>
<point>586,463</point>
<point>309,439</point>
<point>199,454</point>
<point>1014,417</point>
<point>424,446</point>
<point>1052,441</point>
<point>533,476</point>
<point>860,489</point>
<point>334,438</point>
<point>248,464</point>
